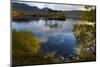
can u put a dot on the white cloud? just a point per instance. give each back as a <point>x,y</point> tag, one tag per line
<point>56,6</point>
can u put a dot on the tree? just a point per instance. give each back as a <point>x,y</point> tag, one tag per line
<point>26,50</point>
<point>86,39</point>
<point>89,14</point>
<point>24,45</point>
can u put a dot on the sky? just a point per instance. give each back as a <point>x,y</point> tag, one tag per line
<point>62,7</point>
<point>57,6</point>
<point>86,2</point>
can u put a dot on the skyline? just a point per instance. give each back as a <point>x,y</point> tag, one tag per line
<point>63,7</point>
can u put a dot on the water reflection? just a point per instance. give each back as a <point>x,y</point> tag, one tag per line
<point>55,35</point>
<point>63,44</point>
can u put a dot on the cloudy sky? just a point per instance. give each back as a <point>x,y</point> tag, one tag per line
<point>55,6</point>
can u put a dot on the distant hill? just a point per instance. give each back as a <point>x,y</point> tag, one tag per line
<point>24,8</point>
<point>27,10</point>
<point>73,14</point>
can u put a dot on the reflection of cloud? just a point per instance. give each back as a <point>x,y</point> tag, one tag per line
<point>77,50</point>
<point>63,26</point>
<point>42,31</point>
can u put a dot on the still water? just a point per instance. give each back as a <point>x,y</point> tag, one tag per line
<point>55,35</point>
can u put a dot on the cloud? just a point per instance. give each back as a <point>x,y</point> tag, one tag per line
<point>55,6</point>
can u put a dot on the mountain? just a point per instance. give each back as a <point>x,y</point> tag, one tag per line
<point>24,7</point>
<point>46,9</point>
<point>24,10</point>
<point>27,9</point>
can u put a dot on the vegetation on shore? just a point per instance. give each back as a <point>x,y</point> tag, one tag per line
<point>90,15</point>
<point>85,34</point>
<point>26,50</point>
<point>51,15</point>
